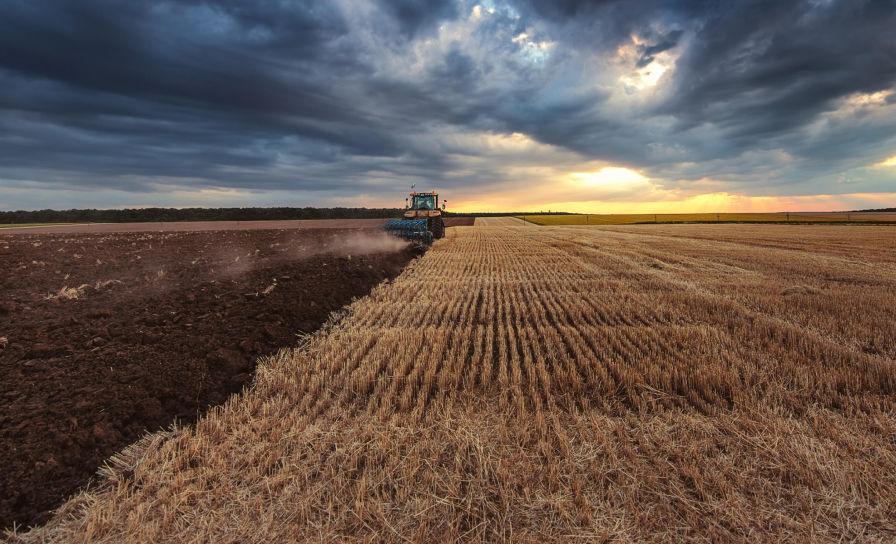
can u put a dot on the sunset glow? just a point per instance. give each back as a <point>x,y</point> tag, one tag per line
<point>888,162</point>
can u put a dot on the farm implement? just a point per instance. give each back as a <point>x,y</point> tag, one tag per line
<point>422,221</point>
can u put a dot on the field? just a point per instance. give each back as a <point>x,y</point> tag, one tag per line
<point>638,218</point>
<point>709,383</point>
<point>105,336</point>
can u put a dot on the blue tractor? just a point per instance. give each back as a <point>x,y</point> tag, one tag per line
<point>422,221</point>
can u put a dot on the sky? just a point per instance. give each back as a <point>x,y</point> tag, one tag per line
<point>602,106</point>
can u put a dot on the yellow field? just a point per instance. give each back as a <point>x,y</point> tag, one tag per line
<point>626,219</point>
<point>710,383</point>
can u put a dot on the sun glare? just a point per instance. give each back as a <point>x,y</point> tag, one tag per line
<point>891,161</point>
<point>639,78</point>
<point>647,76</point>
<point>610,177</point>
<point>858,100</point>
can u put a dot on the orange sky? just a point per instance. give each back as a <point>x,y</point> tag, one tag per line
<point>545,178</point>
<point>613,189</point>
<point>709,202</point>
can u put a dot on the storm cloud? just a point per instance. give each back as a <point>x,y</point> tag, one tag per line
<point>120,103</point>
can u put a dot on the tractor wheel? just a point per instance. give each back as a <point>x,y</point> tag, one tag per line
<point>437,227</point>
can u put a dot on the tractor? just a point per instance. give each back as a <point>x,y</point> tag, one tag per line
<point>422,221</point>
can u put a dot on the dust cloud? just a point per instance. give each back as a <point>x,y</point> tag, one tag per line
<point>236,261</point>
<point>366,243</point>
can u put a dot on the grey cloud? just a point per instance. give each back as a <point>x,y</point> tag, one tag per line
<point>763,68</point>
<point>666,42</point>
<point>418,16</point>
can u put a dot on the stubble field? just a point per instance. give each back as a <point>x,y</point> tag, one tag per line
<point>634,384</point>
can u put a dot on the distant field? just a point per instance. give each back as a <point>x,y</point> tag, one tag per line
<point>630,219</point>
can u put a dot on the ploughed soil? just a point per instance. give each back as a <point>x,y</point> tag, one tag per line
<point>193,226</point>
<point>459,221</point>
<point>104,337</point>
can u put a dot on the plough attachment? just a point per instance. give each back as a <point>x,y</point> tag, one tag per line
<point>415,230</point>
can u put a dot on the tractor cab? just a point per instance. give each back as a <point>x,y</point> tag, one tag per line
<point>423,205</point>
<point>424,201</point>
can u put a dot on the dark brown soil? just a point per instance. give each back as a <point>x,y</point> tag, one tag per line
<point>459,221</point>
<point>194,226</point>
<point>104,337</point>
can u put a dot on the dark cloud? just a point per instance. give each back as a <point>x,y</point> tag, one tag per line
<point>337,97</point>
<point>759,69</point>
<point>417,16</point>
<point>665,43</point>
<point>457,70</point>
